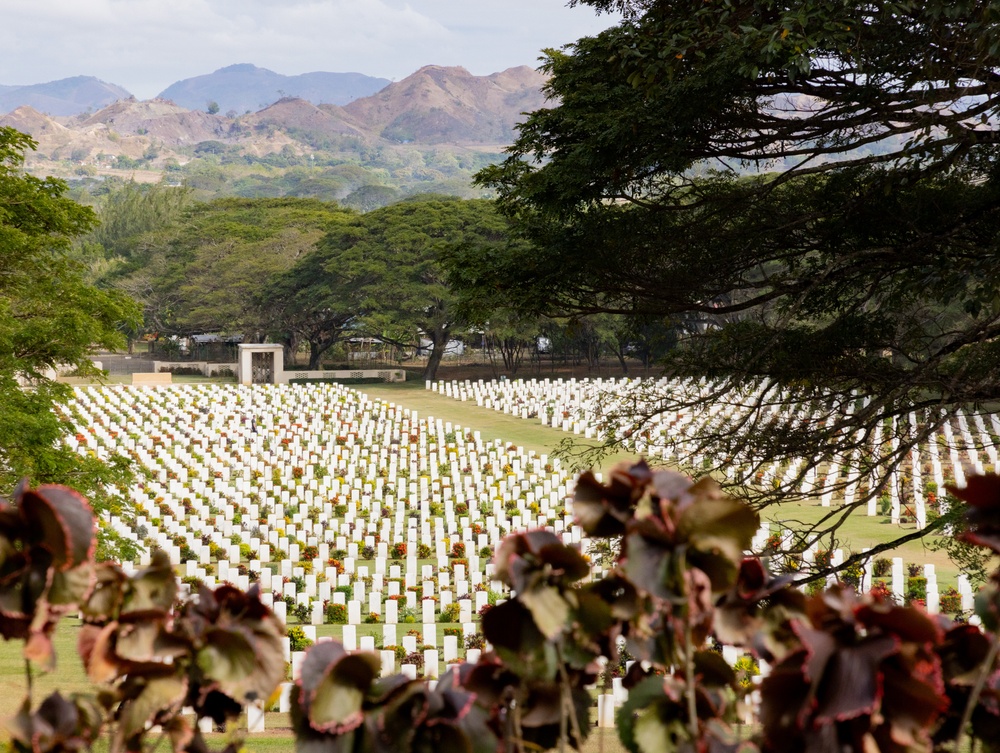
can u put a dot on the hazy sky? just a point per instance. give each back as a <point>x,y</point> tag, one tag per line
<point>145,45</point>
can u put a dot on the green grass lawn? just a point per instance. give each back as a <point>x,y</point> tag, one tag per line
<point>528,433</point>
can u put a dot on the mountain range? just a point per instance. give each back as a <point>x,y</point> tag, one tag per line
<point>435,105</point>
<point>68,96</point>
<point>235,89</point>
<point>431,131</point>
<point>246,88</point>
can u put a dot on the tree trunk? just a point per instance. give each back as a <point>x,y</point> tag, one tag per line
<point>620,352</point>
<point>316,350</point>
<point>433,361</point>
<point>439,341</point>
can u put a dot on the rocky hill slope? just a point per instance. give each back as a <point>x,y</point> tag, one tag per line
<point>427,133</point>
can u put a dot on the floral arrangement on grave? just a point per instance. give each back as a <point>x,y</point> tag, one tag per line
<point>847,672</point>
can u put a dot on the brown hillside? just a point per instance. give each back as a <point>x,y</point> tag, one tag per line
<point>299,116</point>
<point>450,105</point>
<point>162,120</point>
<point>28,120</point>
<point>59,141</point>
<point>435,107</point>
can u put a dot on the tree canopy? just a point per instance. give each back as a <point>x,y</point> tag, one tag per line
<point>387,266</point>
<point>211,267</point>
<point>49,318</point>
<point>813,185</point>
<point>810,188</point>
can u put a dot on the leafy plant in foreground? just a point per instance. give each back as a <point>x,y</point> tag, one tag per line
<point>847,672</point>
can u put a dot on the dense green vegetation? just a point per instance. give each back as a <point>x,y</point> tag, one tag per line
<point>49,317</point>
<point>309,274</point>
<point>348,172</point>
<point>812,187</point>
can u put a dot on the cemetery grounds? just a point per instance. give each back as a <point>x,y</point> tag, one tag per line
<point>202,452</point>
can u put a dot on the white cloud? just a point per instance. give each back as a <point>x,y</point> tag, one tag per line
<point>145,45</point>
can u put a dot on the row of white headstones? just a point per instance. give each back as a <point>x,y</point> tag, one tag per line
<point>322,467</point>
<point>582,406</point>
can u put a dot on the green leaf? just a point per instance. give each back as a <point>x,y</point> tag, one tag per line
<point>335,705</point>
<point>152,589</point>
<point>548,609</point>
<point>164,693</point>
<point>227,658</point>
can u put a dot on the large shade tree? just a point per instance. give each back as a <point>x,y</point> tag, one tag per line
<point>815,183</point>
<point>388,266</point>
<point>219,267</point>
<point>49,318</point>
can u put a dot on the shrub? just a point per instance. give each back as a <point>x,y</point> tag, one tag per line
<point>302,613</point>
<point>746,669</point>
<point>880,590</point>
<point>852,574</point>
<point>882,567</point>
<point>398,550</point>
<point>336,614</point>
<point>951,601</point>
<point>773,544</point>
<point>416,658</point>
<point>398,650</point>
<point>916,589</point>
<point>450,613</point>
<point>297,638</point>
<point>423,551</point>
